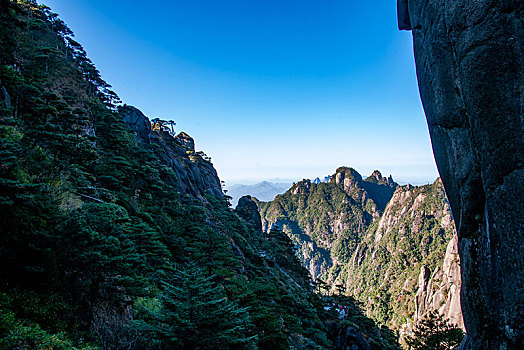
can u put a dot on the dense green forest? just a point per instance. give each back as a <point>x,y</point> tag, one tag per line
<point>115,236</point>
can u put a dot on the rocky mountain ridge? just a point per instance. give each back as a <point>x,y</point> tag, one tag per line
<point>415,232</point>
<point>116,234</point>
<point>324,218</point>
<point>196,175</point>
<point>372,237</point>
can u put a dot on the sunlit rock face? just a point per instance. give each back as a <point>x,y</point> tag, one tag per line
<point>440,290</point>
<point>469,58</point>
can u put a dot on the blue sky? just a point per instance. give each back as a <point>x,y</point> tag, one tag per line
<point>268,89</point>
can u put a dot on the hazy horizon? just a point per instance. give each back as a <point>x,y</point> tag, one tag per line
<point>272,89</point>
<point>413,180</point>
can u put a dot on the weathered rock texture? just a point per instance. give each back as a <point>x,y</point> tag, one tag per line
<point>137,121</point>
<point>440,290</point>
<point>196,176</point>
<point>413,233</point>
<point>470,68</point>
<point>372,236</point>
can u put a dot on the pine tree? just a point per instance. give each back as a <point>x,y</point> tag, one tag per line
<point>195,313</point>
<point>101,261</point>
<point>435,333</point>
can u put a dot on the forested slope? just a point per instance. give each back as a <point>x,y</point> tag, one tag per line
<point>115,235</point>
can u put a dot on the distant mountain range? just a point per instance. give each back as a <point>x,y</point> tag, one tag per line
<point>264,191</point>
<point>319,180</point>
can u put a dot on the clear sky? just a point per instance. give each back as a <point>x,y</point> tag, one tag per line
<point>268,88</point>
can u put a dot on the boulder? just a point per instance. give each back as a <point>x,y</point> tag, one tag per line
<point>137,121</point>
<point>247,209</point>
<point>186,141</point>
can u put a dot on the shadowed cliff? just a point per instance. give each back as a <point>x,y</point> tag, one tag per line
<point>470,72</point>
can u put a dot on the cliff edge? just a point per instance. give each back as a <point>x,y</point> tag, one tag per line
<point>469,59</point>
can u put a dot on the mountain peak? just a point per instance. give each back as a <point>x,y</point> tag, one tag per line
<point>377,175</point>
<point>377,178</point>
<point>345,174</point>
<point>319,180</point>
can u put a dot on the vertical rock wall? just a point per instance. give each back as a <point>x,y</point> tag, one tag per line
<point>440,290</point>
<point>470,68</point>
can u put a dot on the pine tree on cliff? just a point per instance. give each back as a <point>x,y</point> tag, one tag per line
<point>435,333</point>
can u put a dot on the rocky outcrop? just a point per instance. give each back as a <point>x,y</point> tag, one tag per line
<point>185,141</point>
<point>303,187</point>
<point>440,290</point>
<point>196,176</point>
<point>325,220</point>
<point>247,209</point>
<point>137,121</point>
<point>470,68</point>
<point>380,188</point>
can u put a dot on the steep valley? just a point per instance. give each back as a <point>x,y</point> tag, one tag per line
<point>115,231</point>
<point>392,247</point>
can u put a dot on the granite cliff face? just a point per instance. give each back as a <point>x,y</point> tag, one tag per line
<point>470,68</point>
<point>196,176</point>
<point>414,233</point>
<point>440,290</point>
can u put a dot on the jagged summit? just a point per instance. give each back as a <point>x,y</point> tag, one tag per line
<point>377,175</point>
<point>195,174</point>
<point>346,203</point>
<point>360,233</point>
